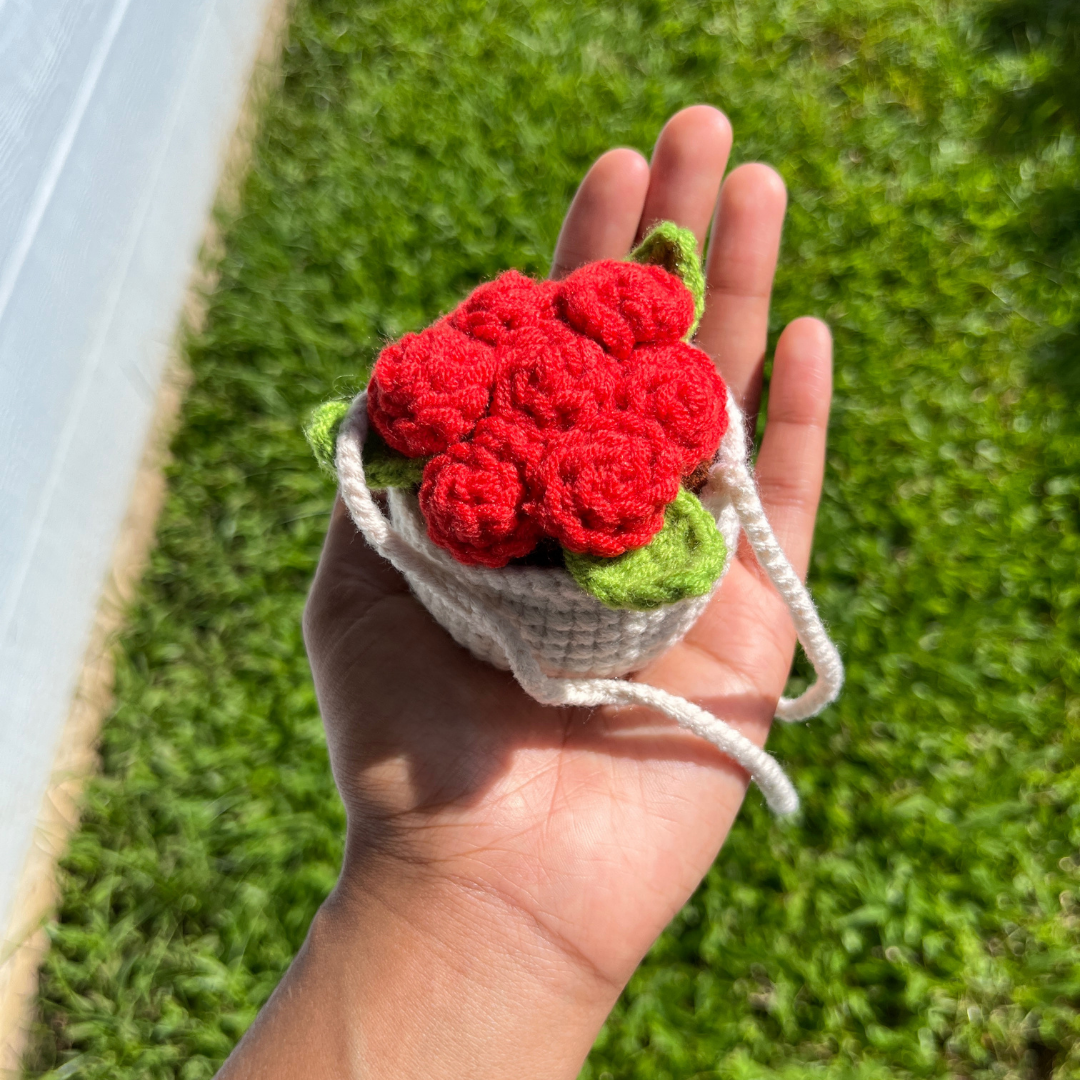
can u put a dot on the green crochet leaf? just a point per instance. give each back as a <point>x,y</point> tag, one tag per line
<point>675,249</point>
<point>322,429</point>
<point>384,467</point>
<point>684,559</point>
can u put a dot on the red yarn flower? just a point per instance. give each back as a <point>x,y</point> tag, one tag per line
<point>679,387</point>
<point>602,488</point>
<point>553,377</point>
<point>497,308</point>
<point>428,390</point>
<point>563,409</point>
<point>473,500</point>
<point>621,304</point>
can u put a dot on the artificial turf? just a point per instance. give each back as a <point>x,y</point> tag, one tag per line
<point>921,919</point>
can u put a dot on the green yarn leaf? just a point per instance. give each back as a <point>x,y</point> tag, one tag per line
<point>321,431</point>
<point>675,249</point>
<point>683,559</point>
<point>384,467</point>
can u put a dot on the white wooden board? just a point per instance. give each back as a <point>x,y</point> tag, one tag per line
<point>114,116</point>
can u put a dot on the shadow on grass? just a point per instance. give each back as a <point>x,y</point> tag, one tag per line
<point>1044,107</point>
<point>1049,102</point>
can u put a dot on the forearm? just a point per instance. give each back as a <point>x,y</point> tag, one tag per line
<point>416,979</point>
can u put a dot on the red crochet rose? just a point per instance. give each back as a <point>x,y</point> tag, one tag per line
<point>602,488</point>
<point>428,390</point>
<point>553,377</point>
<point>621,304</point>
<point>473,500</point>
<point>496,308</point>
<point>563,409</point>
<point>679,387</point>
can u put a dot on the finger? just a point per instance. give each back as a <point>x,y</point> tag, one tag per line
<point>688,164</point>
<point>792,459</point>
<point>742,257</point>
<point>604,215</point>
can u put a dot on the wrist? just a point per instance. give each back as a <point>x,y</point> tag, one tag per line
<point>445,978</point>
<point>407,975</point>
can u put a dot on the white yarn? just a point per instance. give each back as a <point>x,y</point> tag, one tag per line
<point>730,477</point>
<point>561,644</point>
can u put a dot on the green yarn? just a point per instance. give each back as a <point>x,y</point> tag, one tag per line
<point>675,249</point>
<point>322,429</point>
<point>684,559</point>
<point>384,467</point>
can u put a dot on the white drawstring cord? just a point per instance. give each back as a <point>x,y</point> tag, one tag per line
<point>734,473</point>
<point>557,690</point>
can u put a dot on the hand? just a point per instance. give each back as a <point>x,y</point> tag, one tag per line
<point>508,864</point>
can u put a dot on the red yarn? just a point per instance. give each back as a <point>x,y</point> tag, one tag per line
<point>497,308</point>
<point>551,376</point>
<point>516,440</point>
<point>428,390</point>
<point>567,409</point>
<point>602,488</point>
<point>679,387</point>
<point>474,503</point>
<point>621,304</point>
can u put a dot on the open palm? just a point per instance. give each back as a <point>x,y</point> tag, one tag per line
<point>584,831</point>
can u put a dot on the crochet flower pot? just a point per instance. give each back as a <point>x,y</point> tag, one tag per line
<point>566,480</point>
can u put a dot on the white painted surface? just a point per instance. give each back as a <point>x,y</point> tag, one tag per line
<point>114,116</point>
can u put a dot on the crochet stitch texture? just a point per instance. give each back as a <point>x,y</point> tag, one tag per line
<point>570,410</point>
<point>684,559</point>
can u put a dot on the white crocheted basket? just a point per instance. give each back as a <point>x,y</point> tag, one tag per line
<point>563,645</point>
<point>568,631</point>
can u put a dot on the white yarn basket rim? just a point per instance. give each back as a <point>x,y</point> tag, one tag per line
<point>554,581</point>
<point>730,495</point>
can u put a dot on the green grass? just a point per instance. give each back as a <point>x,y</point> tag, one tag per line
<point>922,917</point>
